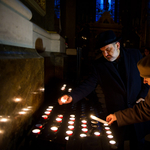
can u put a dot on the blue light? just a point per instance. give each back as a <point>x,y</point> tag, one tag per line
<point>57,8</point>
<point>105,5</point>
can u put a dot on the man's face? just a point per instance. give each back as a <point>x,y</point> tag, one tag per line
<point>146,80</point>
<point>111,51</point>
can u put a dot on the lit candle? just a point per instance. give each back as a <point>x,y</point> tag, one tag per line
<point>36,131</point>
<point>73,119</point>
<point>72,116</point>
<point>44,116</point>
<point>50,107</point>
<point>54,128</point>
<point>105,124</point>
<point>110,136</point>
<point>108,132</point>
<point>112,142</point>
<point>3,120</point>
<point>97,133</point>
<point>71,127</point>
<point>47,112</point>
<point>84,121</point>
<point>69,132</point>
<point>71,122</point>
<point>107,128</point>
<point>83,135</point>
<point>63,88</point>
<point>69,90</point>
<point>85,130</point>
<point>67,138</point>
<point>25,109</point>
<point>83,125</point>
<point>58,119</point>
<point>63,100</point>
<point>22,112</point>
<point>60,116</point>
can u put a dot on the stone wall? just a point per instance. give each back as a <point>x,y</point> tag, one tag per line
<point>21,92</point>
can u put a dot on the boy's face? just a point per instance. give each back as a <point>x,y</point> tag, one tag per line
<point>146,80</point>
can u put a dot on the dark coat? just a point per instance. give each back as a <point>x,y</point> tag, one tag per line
<point>118,96</point>
<point>139,113</point>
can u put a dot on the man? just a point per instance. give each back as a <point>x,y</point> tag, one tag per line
<point>117,74</point>
<point>141,111</point>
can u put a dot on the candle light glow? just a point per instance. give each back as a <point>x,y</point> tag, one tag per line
<point>36,131</point>
<point>97,133</point>
<point>71,122</point>
<point>83,135</point>
<point>54,128</point>
<point>63,100</point>
<point>58,119</point>
<point>71,127</point>
<point>85,130</point>
<point>44,116</point>
<point>69,132</point>
<point>83,125</point>
<point>112,142</point>
<point>84,121</point>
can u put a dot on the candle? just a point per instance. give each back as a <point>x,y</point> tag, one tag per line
<point>73,119</point>
<point>71,127</point>
<point>85,130</point>
<point>73,116</point>
<point>97,133</point>
<point>83,135</point>
<point>108,132</point>
<point>84,121</point>
<point>58,119</point>
<point>71,122</point>
<point>47,112</point>
<point>107,128</point>
<point>50,107</point>
<point>60,116</point>
<point>112,142</point>
<point>105,124</point>
<point>44,116</point>
<point>67,138</point>
<point>63,100</point>
<point>22,112</point>
<point>36,131</point>
<point>63,88</point>
<point>3,120</point>
<point>98,119</point>
<point>69,132</point>
<point>54,128</point>
<point>25,109</point>
<point>69,90</point>
<point>110,136</point>
<point>83,125</point>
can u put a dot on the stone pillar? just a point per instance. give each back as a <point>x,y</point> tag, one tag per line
<point>70,22</point>
<point>148,25</point>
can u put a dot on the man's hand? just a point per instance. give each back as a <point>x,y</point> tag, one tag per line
<point>65,99</point>
<point>111,118</point>
<point>140,100</point>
